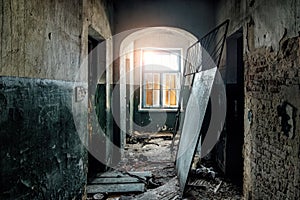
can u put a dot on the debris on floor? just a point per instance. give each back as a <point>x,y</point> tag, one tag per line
<point>218,189</point>
<point>157,159</point>
<point>205,182</point>
<point>168,191</point>
<point>204,172</point>
<point>144,138</point>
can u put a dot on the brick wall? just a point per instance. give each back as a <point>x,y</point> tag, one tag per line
<point>272,134</point>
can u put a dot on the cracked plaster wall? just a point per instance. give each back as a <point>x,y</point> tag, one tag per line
<point>45,42</point>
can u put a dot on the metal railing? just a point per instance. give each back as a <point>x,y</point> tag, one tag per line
<point>213,43</point>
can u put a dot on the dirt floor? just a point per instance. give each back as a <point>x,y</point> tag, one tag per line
<point>148,153</point>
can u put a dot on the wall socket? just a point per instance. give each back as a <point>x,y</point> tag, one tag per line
<point>80,93</point>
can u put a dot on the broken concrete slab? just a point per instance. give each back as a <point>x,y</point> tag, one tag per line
<point>115,188</point>
<point>111,174</point>
<point>114,180</point>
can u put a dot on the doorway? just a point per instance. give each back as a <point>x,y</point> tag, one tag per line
<point>96,103</point>
<point>230,146</point>
<point>235,107</point>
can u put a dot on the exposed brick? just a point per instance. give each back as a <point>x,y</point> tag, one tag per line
<point>269,77</point>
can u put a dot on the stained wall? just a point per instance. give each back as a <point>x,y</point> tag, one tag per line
<point>44,48</point>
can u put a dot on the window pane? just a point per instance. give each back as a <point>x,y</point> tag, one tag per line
<point>166,98</point>
<point>160,60</point>
<point>156,81</point>
<point>148,80</point>
<point>161,73</point>
<point>149,98</point>
<point>166,81</point>
<point>173,98</point>
<point>156,98</point>
<point>173,81</point>
<point>170,82</point>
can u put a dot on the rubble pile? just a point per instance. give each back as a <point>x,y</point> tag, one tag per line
<point>209,183</point>
<point>153,154</point>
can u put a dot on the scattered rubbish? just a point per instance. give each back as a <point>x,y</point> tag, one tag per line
<point>212,189</point>
<point>152,184</point>
<point>147,137</point>
<point>165,192</point>
<point>146,143</point>
<point>217,188</point>
<point>205,172</point>
<point>99,196</point>
<point>153,170</point>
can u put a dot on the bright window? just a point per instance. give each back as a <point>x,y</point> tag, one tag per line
<point>160,78</point>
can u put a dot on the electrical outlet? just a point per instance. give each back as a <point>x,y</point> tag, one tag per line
<point>80,93</point>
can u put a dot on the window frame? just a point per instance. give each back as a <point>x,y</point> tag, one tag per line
<point>178,73</point>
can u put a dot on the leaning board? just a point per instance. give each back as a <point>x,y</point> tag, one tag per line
<point>194,115</point>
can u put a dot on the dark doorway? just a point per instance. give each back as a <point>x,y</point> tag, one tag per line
<point>96,91</point>
<point>235,108</point>
<point>229,150</point>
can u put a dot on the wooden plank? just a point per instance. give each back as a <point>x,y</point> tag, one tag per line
<point>119,174</point>
<point>166,136</point>
<point>163,135</point>
<point>114,180</point>
<point>115,188</point>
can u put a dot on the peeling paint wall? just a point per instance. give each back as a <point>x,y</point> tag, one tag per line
<point>271,64</point>
<point>264,22</point>
<point>46,43</point>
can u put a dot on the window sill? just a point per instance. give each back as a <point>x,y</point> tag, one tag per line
<point>157,109</point>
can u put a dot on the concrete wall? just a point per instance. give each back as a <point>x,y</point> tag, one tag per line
<point>40,40</point>
<point>271,63</point>
<point>42,156</point>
